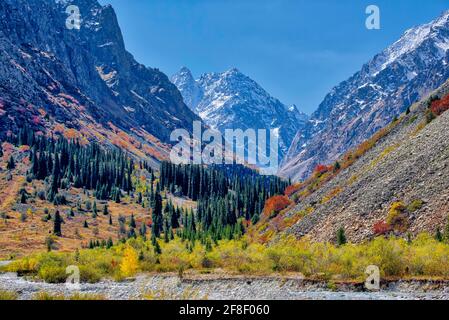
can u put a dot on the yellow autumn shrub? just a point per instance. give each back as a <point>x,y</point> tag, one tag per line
<point>130,262</point>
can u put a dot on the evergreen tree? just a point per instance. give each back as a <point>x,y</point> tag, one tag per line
<point>409,238</point>
<point>438,235</point>
<point>117,196</point>
<point>94,210</point>
<point>337,166</point>
<point>139,198</point>
<point>23,198</point>
<point>110,220</point>
<point>109,244</point>
<point>156,246</point>
<point>10,165</point>
<point>167,230</point>
<point>86,225</point>
<point>131,233</point>
<point>105,210</point>
<point>132,222</point>
<point>143,230</point>
<point>446,231</point>
<point>157,219</point>
<point>341,237</point>
<point>57,224</point>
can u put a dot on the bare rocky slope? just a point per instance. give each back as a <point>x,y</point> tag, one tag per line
<point>410,163</point>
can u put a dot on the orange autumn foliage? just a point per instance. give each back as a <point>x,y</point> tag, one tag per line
<point>290,190</point>
<point>439,106</point>
<point>71,134</point>
<point>276,204</point>
<point>59,129</point>
<point>24,148</point>
<point>321,169</point>
<point>381,228</point>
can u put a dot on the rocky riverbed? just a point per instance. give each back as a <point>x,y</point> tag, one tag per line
<point>230,288</point>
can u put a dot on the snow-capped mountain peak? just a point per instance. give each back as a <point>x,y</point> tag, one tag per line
<point>185,82</point>
<point>412,39</point>
<point>232,100</point>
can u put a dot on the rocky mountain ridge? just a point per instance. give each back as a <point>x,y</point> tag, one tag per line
<point>81,79</point>
<point>354,110</point>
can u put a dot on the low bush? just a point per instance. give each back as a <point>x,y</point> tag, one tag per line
<point>87,297</point>
<point>47,296</point>
<point>396,257</point>
<point>415,205</point>
<point>8,295</point>
<point>439,106</point>
<point>397,218</point>
<point>88,274</point>
<point>381,228</point>
<point>52,274</point>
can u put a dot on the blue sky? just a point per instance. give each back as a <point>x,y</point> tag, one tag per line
<point>296,49</point>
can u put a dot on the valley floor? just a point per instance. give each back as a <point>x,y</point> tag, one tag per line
<point>219,287</point>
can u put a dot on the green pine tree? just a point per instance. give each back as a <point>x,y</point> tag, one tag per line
<point>10,164</point>
<point>132,222</point>
<point>446,231</point>
<point>57,224</point>
<point>341,237</point>
<point>156,246</point>
<point>109,244</point>
<point>94,210</point>
<point>23,198</point>
<point>438,235</point>
<point>337,166</point>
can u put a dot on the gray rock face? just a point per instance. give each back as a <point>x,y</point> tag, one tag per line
<point>191,91</point>
<point>232,100</point>
<point>399,76</point>
<point>42,60</point>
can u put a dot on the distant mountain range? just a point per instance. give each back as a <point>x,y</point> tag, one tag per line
<point>355,109</point>
<point>232,100</point>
